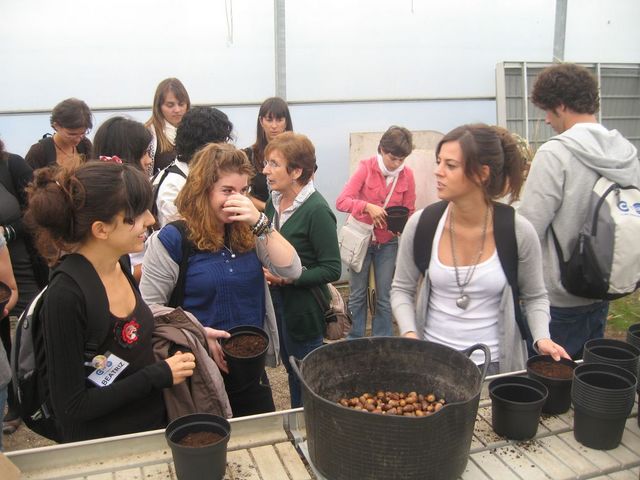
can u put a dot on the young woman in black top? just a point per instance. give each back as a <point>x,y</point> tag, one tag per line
<point>68,147</point>
<point>99,212</point>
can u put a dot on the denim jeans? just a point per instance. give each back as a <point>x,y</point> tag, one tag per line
<point>289,346</point>
<point>571,327</point>
<point>383,257</point>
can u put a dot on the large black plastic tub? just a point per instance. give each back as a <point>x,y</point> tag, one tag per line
<point>348,444</point>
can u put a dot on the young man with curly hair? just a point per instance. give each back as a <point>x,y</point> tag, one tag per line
<point>557,190</point>
<point>199,126</point>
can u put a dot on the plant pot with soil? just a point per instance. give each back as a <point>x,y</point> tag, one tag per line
<point>199,446</point>
<point>557,377</point>
<point>245,352</point>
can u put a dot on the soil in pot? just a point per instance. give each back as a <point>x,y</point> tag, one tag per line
<point>552,370</point>
<point>245,345</point>
<point>200,439</point>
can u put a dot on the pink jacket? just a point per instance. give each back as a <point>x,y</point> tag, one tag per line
<point>367,185</point>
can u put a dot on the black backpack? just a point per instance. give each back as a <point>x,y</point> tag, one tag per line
<point>506,245</point>
<point>28,356</point>
<point>187,248</point>
<point>172,168</point>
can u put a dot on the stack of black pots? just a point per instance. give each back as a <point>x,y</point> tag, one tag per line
<point>603,392</point>
<point>633,338</point>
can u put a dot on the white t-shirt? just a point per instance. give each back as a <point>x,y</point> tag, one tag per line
<point>171,186</point>
<point>460,328</point>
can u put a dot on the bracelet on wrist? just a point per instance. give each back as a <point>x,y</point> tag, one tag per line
<point>261,219</point>
<point>9,233</point>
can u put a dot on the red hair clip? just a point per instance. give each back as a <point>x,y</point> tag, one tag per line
<point>114,159</point>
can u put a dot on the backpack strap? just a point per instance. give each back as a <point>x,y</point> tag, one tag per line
<point>83,274</point>
<point>506,245</point>
<point>172,168</point>
<point>504,233</point>
<point>187,248</point>
<point>49,148</point>
<point>425,231</point>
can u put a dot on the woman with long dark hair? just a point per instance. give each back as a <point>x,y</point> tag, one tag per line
<point>467,295</point>
<point>170,102</point>
<point>273,119</point>
<point>126,139</point>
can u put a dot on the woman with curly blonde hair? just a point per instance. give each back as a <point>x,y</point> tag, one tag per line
<point>227,242</point>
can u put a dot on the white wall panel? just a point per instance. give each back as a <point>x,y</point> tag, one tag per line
<point>603,31</point>
<point>367,49</point>
<point>113,53</point>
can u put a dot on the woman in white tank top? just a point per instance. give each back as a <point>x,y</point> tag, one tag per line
<point>467,298</point>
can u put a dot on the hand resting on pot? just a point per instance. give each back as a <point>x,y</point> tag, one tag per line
<point>546,346</point>
<point>213,336</point>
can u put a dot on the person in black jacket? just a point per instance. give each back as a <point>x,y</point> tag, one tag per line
<point>99,211</point>
<point>29,268</point>
<point>71,120</point>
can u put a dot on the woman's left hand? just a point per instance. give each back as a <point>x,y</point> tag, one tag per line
<point>546,346</point>
<point>241,209</point>
<point>214,347</point>
<point>274,279</point>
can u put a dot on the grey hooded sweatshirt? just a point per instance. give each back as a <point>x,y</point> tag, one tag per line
<point>558,187</point>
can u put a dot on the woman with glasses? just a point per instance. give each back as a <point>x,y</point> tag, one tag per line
<point>301,214</point>
<point>68,147</point>
<point>273,119</point>
<point>170,102</point>
<point>227,242</point>
<point>364,197</point>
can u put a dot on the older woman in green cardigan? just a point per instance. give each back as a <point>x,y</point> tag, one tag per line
<point>303,217</point>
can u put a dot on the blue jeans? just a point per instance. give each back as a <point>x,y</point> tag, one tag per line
<point>571,327</point>
<point>3,400</point>
<point>289,346</point>
<point>383,257</point>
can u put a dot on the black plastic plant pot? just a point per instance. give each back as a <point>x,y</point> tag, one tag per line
<point>206,462</point>
<point>244,371</point>
<point>595,431</point>
<point>603,389</point>
<point>5,295</point>
<point>613,352</point>
<point>345,444</point>
<point>397,218</point>
<point>557,376</point>
<point>516,404</point>
<point>633,335</point>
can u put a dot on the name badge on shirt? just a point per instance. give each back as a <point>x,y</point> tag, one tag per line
<point>103,377</point>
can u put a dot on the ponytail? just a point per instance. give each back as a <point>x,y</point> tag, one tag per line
<point>514,164</point>
<point>494,147</point>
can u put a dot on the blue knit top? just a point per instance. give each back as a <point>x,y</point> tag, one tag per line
<point>222,289</point>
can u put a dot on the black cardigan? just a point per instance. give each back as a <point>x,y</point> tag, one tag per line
<point>83,410</point>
